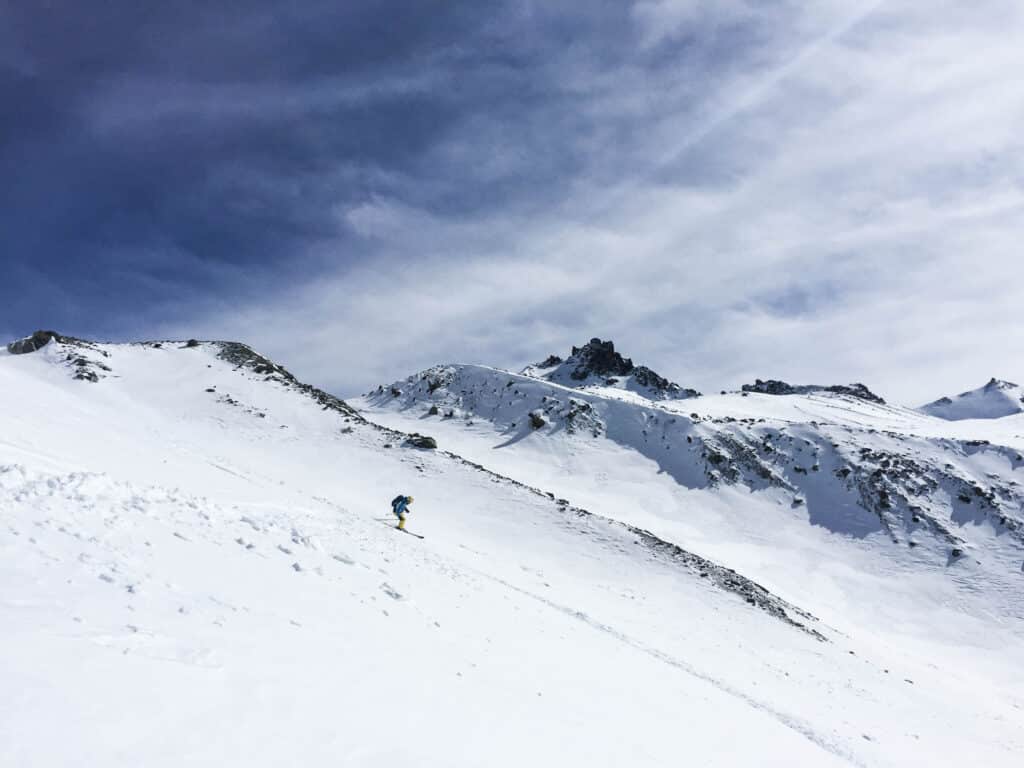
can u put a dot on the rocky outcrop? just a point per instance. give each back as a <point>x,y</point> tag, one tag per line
<point>550,362</point>
<point>37,340</point>
<point>599,358</point>
<point>776,387</point>
<point>243,357</point>
<point>83,358</point>
<point>417,440</point>
<point>645,377</point>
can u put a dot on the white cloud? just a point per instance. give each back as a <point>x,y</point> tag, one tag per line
<point>846,205</point>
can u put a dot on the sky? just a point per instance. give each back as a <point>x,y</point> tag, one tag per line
<point>821,191</point>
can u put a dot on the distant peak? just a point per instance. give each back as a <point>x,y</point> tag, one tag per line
<point>994,400</point>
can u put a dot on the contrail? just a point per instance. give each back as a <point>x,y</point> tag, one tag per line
<point>758,91</point>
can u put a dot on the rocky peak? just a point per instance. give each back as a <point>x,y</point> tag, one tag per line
<point>597,363</point>
<point>998,384</point>
<point>598,358</point>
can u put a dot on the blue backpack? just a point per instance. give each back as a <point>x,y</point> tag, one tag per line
<point>395,501</point>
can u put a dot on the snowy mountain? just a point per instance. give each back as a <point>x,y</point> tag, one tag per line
<point>198,566</point>
<point>597,365</point>
<point>843,460</point>
<point>992,401</point>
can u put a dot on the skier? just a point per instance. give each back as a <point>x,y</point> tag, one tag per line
<point>400,506</point>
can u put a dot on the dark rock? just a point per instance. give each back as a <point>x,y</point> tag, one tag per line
<point>648,378</point>
<point>537,420</point>
<point>599,358</point>
<point>417,440</point>
<point>242,356</point>
<point>191,343</point>
<point>433,411</point>
<point>776,387</point>
<point>37,340</point>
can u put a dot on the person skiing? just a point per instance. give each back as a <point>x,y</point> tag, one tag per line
<point>400,506</point>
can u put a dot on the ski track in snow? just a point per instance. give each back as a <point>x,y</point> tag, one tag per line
<point>800,727</point>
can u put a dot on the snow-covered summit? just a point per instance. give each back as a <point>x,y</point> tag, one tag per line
<point>993,401</point>
<point>597,364</point>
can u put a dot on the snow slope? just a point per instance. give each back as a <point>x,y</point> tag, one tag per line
<point>879,520</point>
<point>197,567</point>
<point>992,401</point>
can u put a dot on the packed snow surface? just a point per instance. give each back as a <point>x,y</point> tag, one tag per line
<point>198,567</point>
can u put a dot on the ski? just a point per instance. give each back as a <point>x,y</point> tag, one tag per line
<point>403,530</point>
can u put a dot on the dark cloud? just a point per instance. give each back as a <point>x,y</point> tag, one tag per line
<point>165,153</point>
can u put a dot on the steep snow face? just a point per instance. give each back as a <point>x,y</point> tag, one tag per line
<point>198,566</point>
<point>597,364</point>
<point>992,401</point>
